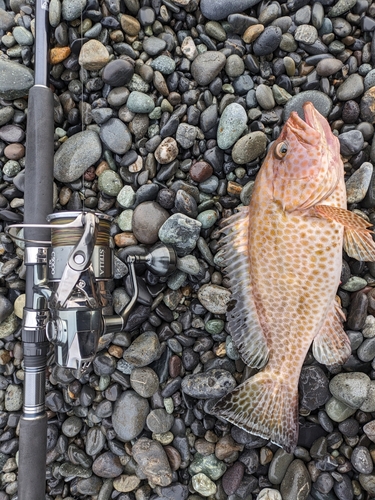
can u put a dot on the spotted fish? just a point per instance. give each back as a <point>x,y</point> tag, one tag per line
<point>283,256</point>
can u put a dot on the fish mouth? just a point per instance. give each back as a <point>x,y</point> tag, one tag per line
<point>307,131</point>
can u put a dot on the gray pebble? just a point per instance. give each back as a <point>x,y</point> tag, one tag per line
<point>211,384</point>
<point>207,66</point>
<point>129,415</point>
<point>359,182</point>
<point>15,79</point>
<point>231,126</point>
<point>115,136</point>
<point>180,231</point>
<point>143,350</point>
<point>351,88</point>
<point>214,298</point>
<point>350,388</point>
<point>296,483</point>
<point>320,100</point>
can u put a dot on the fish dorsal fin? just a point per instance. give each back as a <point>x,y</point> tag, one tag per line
<point>243,320</point>
<point>358,242</point>
<point>332,346</point>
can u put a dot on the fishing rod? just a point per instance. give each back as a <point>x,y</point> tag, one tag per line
<point>69,259</point>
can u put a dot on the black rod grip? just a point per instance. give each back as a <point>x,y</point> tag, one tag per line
<point>32,460</point>
<point>39,161</point>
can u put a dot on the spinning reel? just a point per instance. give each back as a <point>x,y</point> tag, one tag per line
<point>71,276</point>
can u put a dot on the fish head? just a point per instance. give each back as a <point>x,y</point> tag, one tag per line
<point>304,162</point>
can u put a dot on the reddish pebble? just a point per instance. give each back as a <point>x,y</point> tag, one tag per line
<point>174,458</point>
<point>14,151</point>
<point>232,478</point>
<point>89,175</point>
<point>174,366</point>
<point>200,171</point>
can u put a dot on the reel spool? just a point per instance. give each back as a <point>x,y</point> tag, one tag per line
<point>77,266</point>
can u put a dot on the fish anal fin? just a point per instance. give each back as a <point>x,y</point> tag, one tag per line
<point>243,321</point>
<point>358,242</point>
<point>359,245</point>
<point>265,407</point>
<point>332,346</point>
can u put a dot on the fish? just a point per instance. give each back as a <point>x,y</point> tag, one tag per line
<point>283,258</point>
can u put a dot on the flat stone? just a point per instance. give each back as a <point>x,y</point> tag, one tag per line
<point>15,79</point>
<point>233,122</point>
<point>351,88</point>
<point>129,415</point>
<point>338,411</point>
<point>279,465</point>
<point>249,147</point>
<point>214,383</point>
<point>153,461</point>
<point>351,142</point>
<point>118,72</point>
<point>107,465</point>
<point>143,350</point>
<point>296,483</point>
<point>93,55</point>
<point>71,9</point>
<point>110,183</point>
<point>116,136</point>
<point>214,298</point>
<point>76,155</point>
<point>350,388</point>
<point>358,183</point>
<point>148,219</point>
<point>306,34</point>
<point>268,41</point>
<point>139,102</point>
<point>320,101</point>
<point>341,7</point>
<point>207,66</point>
<point>220,9</point>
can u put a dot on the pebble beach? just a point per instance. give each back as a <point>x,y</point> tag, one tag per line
<point>163,112</point>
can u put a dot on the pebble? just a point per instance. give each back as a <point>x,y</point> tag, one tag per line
<point>296,483</point>
<point>167,151</point>
<point>116,136</point>
<point>350,388</point>
<point>129,415</point>
<point>76,155</point>
<point>148,219</point>
<point>321,102</point>
<point>351,88</point>
<point>107,465</point>
<point>269,494</point>
<point>138,102</point>
<point>110,183</point>
<point>180,231</point>
<point>219,9</point>
<point>15,79</point>
<point>361,460</point>
<point>118,72</point>
<point>13,398</point>
<point>212,384</point>
<point>203,484</point>
<point>358,183</point>
<point>153,461</point>
<point>267,41</point>
<point>249,147</point>
<point>279,465</point>
<point>207,66</point>
<point>231,126</point>
<point>93,55</point>
<point>214,298</point>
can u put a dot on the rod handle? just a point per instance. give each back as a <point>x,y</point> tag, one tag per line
<point>32,458</point>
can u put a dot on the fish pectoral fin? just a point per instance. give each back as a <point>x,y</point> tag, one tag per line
<point>265,407</point>
<point>358,242</point>
<point>332,346</point>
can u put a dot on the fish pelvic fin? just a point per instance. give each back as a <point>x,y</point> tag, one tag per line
<point>332,346</point>
<point>358,241</point>
<point>243,321</point>
<point>265,407</point>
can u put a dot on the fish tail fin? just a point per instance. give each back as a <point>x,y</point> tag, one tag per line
<point>265,407</point>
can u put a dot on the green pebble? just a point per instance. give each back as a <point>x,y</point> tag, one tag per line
<point>126,197</point>
<point>354,284</point>
<point>155,113</point>
<point>164,64</point>
<point>11,168</point>
<point>168,405</point>
<point>214,326</point>
<point>231,349</point>
<point>176,280</point>
<point>110,183</point>
<point>125,220</point>
<point>209,465</point>
<point>138,84</point>
<point>104,382</point>
<point>216,31</point>
<point>246,192</point>
<point>228,88</point>
<point>153,130</point>
<point>139,102</point>
<point>338,411</point>
<point>207,218</point>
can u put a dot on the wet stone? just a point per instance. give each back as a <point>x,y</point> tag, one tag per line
<point>279,465</point>
<point>15,79</point>
<point>118,72</point>
<point>231,126</point>
<point>164,64</point>
<point>269,494</point>
<point>296,483</point>
<point>76,155</point>
<point>350,388</point>
<point>358,183</point>
<point>153,461</point>
<point>107,465</point>
<point>249,147</point>
<point>148,219</point>
<point>214,298</point>
<point>313,387</point>
<point>143,350</point>
<point>219,9</point>
<point>116,136</point>
<point>139,102</point>
<point>159,421</point>
<point>212,384</point>
<point>144,381</point>
<point>351,88</point>
<point>129,415</point>
<point>321,102</point>
<point>268,41</point>
<point>351,142</point>
<point>95,441</point>
<point>361,460</point>
<point>110,183</point>
<point>180,231</point>
<point>207,66</point>
<point>72,426</point>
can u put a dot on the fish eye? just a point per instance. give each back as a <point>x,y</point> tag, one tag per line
<point>281,150</point>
